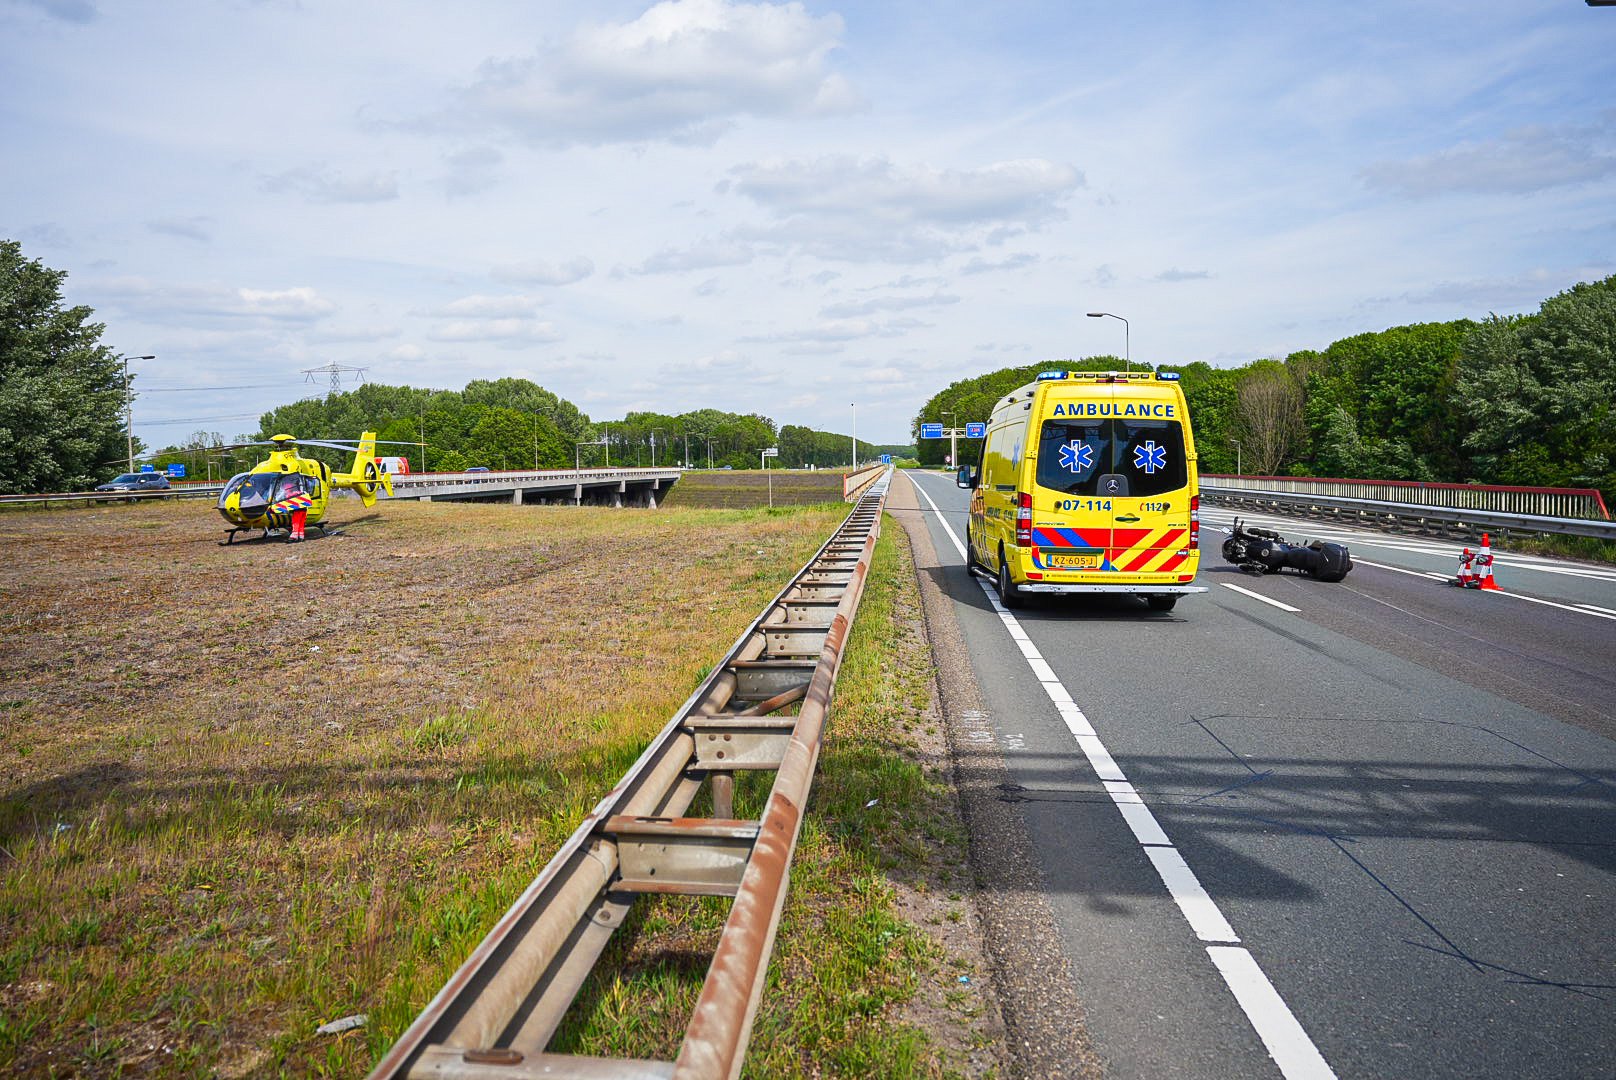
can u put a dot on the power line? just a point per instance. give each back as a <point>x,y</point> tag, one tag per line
<point>194,389</point>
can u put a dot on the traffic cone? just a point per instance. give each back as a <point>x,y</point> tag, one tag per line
<point>1467,570</point>
<point>1485,561</point>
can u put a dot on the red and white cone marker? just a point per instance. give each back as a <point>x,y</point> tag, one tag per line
<point>1467,570</point>
<point>1485,562</point>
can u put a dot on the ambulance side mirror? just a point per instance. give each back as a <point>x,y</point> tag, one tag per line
<point>967,477</point>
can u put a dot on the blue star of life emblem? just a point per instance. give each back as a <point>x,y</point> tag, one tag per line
<point>1150,457</point>
<point>1077,456</point>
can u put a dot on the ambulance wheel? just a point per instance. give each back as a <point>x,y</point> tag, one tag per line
<point>970,553</point>
<point>1162,602</point>
<point>1009,595</point>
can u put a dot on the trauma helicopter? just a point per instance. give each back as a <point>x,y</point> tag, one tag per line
<point>289,491</point>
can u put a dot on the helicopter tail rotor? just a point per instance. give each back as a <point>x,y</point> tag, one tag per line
<point>366,475</point>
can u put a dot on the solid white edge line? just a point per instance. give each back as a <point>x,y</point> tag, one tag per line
<point>1288,1044</point>
<point>1259,596</point>
<point>1581,609</point>
<point>1185,888</point>
<point>1281,1033</point>
<point>1546,603</point>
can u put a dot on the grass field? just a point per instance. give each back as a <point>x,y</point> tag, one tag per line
<point>249,790</point>
<point>750,488</point>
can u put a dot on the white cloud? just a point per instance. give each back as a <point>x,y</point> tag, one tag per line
<point>538,272</point>
<point>835,330</point>
<point>471,172</point>
<point>707,255</point>
<point>73,11</point>
<point>873,209</point>
<point>509,333</point>
<point>487,307</point>
<point>199,229</point>
<point>1175,274</point>
<point>856,308</point>
<point>352,335</point>
<point>682,72</point>
<point>1521,161</point>
<point>319,184</point>
<point>299,303</point>
<point>295,305</point>
<point>725,368</point>
<point>1018,261</point>
<point>882,375</point>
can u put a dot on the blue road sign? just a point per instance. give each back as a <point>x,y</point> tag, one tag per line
<point>931,431</point>
<point>886,459</point>
<point>975,431</point>
<point>176,470</point>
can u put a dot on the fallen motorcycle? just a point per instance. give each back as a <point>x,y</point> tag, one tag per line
<point>1264,551</point>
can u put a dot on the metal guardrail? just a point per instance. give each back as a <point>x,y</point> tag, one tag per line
<point>86,498</point>
<point>1532,501</point>
<point>855,482</point>
<point>1379,513</point>
<point>498,1012</point>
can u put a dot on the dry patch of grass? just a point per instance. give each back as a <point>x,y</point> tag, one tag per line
<point>750,488</point>
<point>251,789</point>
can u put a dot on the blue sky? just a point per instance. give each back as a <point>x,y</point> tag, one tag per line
<point>792,209</point>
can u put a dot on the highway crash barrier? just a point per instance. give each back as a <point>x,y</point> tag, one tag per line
<point>855,483</point>
<point>496,1015</point>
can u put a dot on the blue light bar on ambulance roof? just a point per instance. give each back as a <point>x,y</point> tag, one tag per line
<point>1167,376</point>
<point>1044,375</point>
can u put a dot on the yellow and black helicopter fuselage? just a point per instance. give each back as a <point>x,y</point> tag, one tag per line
<point>270,495</point>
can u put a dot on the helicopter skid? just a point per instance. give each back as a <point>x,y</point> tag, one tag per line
<point>272,533</point>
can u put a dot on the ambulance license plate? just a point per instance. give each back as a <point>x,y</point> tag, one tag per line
<point>1075,562</point>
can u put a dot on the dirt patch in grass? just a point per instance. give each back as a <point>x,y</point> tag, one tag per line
<point>251,789</point>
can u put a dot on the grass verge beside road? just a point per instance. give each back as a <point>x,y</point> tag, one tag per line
<point>751,488</point>
<point>249,790</point>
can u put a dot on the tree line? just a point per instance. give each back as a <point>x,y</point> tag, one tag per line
<point>1512,399</point>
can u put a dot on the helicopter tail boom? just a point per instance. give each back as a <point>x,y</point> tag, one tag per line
<point>366,475</point>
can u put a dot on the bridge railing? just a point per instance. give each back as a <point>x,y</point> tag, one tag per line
<point>1384,513</point>
<point>1534,501</point>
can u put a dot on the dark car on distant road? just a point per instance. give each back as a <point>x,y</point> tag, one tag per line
<point>136,481</point>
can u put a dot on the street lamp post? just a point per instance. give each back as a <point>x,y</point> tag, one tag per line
<point>1237,470</point>
<point>1127,348</point>
<point>953,451</point>
<point>129,405</point>
<point>854,406</point>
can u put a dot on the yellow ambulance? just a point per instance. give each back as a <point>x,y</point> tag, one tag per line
<point>1087,484</point>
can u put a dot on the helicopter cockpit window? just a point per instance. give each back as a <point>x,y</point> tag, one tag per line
<point>291,484</point>
<point>254,488</point>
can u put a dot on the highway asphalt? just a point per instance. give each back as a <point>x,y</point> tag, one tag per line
<point>1371,832</point>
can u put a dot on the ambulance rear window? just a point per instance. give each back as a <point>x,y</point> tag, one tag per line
<point>1147,456</point>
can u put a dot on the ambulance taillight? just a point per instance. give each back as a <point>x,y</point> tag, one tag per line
<point>1023,519</point>
<point>1195,522</point>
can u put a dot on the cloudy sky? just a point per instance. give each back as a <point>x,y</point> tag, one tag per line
<point>821,211</point>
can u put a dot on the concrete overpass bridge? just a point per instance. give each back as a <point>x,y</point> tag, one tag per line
<point>569,487</point>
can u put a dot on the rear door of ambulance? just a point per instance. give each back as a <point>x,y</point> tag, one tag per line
<point>1113,473</point>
